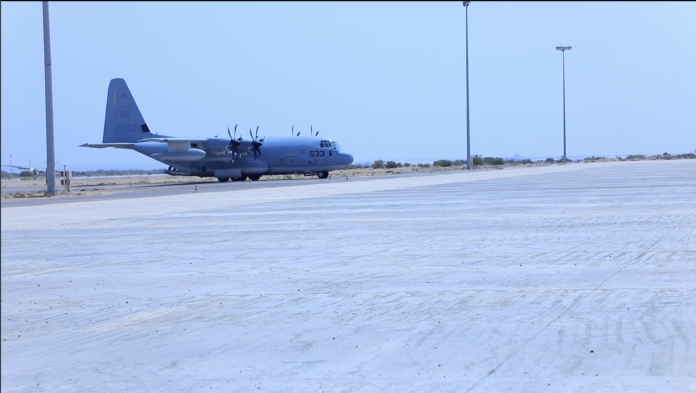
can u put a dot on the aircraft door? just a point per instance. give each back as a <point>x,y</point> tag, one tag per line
<point>198,168</point>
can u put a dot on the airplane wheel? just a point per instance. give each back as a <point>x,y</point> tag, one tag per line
<point>223,179</point>
<point>239,178</point>
<point>323,175</point>
<point>254,177</point>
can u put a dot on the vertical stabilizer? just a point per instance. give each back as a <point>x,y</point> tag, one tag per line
<point>123,122</point>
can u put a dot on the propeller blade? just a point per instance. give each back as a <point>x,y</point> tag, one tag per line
<point>255,148</point>
<point>257,133</point>
<point>250,134</point>
<point>298,133</point>
<point>293,131</point>
<point>233,143</point>
<point>316,133</point>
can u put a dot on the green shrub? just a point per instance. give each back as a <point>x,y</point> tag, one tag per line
<point>378,164</point>
<point>477,160</point>
<point>442,163</point>
<point>635,157</point>
<point>493,161</point>
<point>549,160</point>
<point>407,165</point>
<point>391,164</point>
<point>592,158</point>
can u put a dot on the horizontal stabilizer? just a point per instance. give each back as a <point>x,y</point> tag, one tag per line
<point>103,145</point>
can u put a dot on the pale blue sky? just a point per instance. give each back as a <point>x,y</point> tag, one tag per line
<point>384,79</point>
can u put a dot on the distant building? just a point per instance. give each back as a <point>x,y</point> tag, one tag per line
<point>516,157</point>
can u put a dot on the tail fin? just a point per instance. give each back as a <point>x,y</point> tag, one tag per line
<point>123,122</point>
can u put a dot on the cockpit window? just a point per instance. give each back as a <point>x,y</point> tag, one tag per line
<point>329,144</point>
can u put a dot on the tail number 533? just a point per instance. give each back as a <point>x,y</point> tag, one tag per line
<point>316,153</point>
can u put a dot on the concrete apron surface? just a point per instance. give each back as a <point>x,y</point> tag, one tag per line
<point>560,278</point>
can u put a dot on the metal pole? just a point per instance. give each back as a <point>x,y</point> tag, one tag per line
<point>51,162</point>
<point>468,140</point>
<point>564,123</point>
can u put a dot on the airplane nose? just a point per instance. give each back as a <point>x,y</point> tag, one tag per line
<point>346,158</point>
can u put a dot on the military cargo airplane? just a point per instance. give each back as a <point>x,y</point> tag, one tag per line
<point>233,158</point>
<point>34,171</point>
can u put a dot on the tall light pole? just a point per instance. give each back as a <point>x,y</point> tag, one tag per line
<point>563,49</point>
<point>468,140</point>
<point>50,157</point>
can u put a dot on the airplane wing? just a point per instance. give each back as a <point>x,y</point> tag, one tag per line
<point>18,167</point>
<point>104,145</point>
<point>174,140</point>
<point>36,171</point>
<point>208,144</point>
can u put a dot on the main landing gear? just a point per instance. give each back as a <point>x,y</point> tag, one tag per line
<point>323,174</point>
<point>223,179</point>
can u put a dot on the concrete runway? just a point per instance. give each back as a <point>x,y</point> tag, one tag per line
<point>562,278</point>
<point>149,190</point>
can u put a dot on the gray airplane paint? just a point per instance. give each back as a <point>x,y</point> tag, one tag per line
<point>224,158</point>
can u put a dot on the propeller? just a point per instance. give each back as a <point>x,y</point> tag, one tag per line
<point>311,131</point>
<point>255,144</point>
<point>234,143</point>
